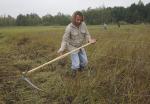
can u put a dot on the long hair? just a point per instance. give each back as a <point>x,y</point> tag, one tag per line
<point>74,16</point>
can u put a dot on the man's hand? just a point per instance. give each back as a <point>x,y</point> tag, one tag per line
<point>92,41</point>
<point>60,52</point>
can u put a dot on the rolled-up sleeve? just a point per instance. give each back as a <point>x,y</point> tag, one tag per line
<point>65,39</point>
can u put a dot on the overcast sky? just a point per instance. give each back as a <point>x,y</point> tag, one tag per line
<point>43,7</point>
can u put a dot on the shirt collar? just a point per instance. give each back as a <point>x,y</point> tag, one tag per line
<point>72,25</point>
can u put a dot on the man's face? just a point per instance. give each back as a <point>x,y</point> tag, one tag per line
<point>78,20</point>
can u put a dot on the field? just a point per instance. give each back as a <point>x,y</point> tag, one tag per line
<point>118,71</point>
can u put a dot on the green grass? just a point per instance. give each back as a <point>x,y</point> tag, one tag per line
<point>118,69</point>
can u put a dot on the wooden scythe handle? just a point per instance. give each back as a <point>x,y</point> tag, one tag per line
<point>57,58</point>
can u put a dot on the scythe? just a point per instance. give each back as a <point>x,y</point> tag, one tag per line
<point>25,74</point>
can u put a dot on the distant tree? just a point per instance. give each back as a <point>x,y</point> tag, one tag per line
<point>107,15</point>
<point>147,8</point>
<point>21,20</point>
<point>7,21</point>
<point>141,11</point>
<point>61,19</point>
<point>48,20</point>
<point>140,3</point>
<point>118,14</point>
<point>33,19</point>
<point>28,20</point>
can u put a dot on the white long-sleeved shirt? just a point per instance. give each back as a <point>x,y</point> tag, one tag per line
<point>74,37</point>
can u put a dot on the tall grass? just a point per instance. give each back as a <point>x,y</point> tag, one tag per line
<point>117,73</point>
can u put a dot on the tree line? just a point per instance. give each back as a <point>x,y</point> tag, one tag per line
<point>136,13</point>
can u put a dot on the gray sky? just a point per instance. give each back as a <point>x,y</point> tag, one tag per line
<point>43,7</point>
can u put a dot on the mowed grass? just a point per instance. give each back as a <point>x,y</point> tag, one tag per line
<point>117,72</point>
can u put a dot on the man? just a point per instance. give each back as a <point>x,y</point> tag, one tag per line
<point>76,34</point>
<point>105,26</point>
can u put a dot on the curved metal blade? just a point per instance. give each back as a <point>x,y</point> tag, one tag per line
<point>30,83</point>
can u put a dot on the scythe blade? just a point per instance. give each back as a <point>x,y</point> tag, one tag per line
<point>30,83</point>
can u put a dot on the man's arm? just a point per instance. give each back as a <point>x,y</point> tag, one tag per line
<point>64,40</point>
<point>88,36</point>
